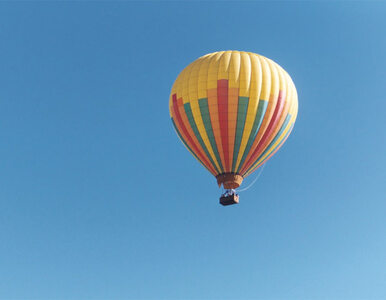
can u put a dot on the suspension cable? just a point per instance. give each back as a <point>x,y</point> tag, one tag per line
<point>253,182</point>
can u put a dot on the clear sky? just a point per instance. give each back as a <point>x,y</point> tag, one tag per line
<point>100,200</point>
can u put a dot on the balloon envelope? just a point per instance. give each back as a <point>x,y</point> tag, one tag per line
<point>233,110</point>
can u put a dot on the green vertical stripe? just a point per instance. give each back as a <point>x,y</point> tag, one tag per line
<point>241,116</point>
<point>209,130</point>
<point>261,109</point>
<point>188,111</point>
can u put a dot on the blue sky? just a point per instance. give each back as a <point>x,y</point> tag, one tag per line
<point>100,200</point>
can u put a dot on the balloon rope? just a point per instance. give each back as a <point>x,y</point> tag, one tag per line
<point>253,182</point>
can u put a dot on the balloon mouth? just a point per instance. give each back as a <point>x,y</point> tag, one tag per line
<point>229,180</point>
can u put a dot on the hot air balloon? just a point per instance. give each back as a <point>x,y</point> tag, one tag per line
<point>233,110</point>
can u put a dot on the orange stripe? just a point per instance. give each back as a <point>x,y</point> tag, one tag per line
<point>213,112</point>
<point>233,103</point>
<point>222,98</point>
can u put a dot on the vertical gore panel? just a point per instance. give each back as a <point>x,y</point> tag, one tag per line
<point>186,134</point>
<point>213,113</point>
<point>222,98</point>
<point>271,126</point>
<point>203,103</point>
<point>184,117</point>
<point>241,116</point>
<point>254,96</point>
<point>284,100</point>
<point>233,103</point>
<point>269,91</point>
<point>280,135</point>
<point>233,99</point>
<point>188,111</point>
<point>255,128</point>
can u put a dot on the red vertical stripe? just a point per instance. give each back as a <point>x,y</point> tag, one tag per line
<point>189,139</point>
<point>222,97</point>
<point>271,127</point>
